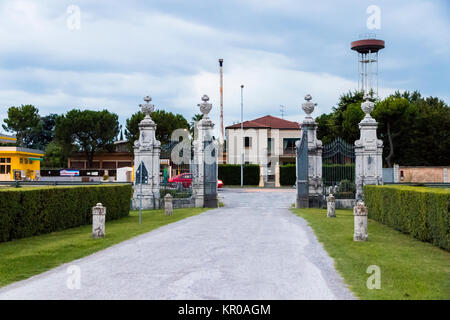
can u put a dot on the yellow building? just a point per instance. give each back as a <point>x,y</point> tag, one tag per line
<point>20,163</point>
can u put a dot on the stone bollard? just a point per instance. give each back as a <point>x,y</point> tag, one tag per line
<point>331,206</point>
<point>360,221</point>
<point>98,221</point>
<point>168,204</point>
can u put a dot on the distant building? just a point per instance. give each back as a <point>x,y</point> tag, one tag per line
<point>121,157</point>
<point>263,140</point>
<point>20,163</point>
<point>7,139</point>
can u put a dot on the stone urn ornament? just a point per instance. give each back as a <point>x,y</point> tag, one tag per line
<point>205,107</point>
<point>147,108</point>
<point>367,107</point>
<point>308,106</point>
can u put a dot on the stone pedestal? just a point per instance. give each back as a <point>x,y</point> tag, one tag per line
<point>368,153</point>
<point>146,156</point>
<point>277,175</point>
<point>204,185</point>
<point>315,148</point>
<point>168,205</point>
<point>360,222</point>
<point>331,206</point>
<point>98,221</point>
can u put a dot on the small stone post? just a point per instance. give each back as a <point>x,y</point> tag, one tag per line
<point>360,221</point>
<point>168,204</point>
<point>261,176</point>
<point>331,206</point>
<point>98,221</point>
<point>277,175</point>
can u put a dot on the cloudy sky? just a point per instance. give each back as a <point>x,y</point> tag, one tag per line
<point>279,49</point>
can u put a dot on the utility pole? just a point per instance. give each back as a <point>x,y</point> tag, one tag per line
<point>242,135</point>
<point>221,101</point>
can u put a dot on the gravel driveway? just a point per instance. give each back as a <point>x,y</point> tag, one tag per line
<point>253,248</point>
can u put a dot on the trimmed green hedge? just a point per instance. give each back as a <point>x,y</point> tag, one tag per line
<point>419,211</point>
<point>27,212</point>
<point>287,174</point>
<point>230,174</point>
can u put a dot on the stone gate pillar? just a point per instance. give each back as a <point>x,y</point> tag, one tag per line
<point>315,184</point>
<point>146,162</point>
<point>368,152</point>
<point>204,186</point>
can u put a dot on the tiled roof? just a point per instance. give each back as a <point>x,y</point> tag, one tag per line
<point>268,122</point>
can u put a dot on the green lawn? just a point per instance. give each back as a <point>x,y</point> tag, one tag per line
<point>410,269</point>
<point>23,258</point>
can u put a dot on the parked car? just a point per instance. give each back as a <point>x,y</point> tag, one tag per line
<point>185,180</point>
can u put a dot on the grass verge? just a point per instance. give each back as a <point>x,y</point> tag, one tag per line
<point>23,258</point>
<point>410,269</point>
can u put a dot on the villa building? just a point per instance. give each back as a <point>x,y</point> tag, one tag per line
<point>268,141</point>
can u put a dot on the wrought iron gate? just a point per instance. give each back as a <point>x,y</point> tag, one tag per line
<point>210,178</point>
<point>302,171</point>
<point>338,169</point>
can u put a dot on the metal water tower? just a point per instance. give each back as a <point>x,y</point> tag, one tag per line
<point>368,49</point>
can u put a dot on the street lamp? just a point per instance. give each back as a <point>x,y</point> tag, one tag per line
<point>242,135</point>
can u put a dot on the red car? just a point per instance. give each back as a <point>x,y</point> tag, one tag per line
<point>186,180</point>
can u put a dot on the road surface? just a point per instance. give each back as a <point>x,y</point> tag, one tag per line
<point>253,248</point>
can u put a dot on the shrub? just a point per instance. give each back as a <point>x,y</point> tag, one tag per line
<point>287,175</point>
<point>27,212</point>
<point>419,211</point>
<point>230,174</point>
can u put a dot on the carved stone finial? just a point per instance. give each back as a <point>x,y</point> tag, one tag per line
<point>147,108</point>
<point>308,106</point>
<point>367,106</point>
<point>205,107</point>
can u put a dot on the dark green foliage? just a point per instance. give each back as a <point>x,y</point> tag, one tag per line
<point>287,175</point>
<point>230,174</point>
<point>419,211</point>
<point>415,130</point>
<point>22,120</point>
<point>87,131</point>
<point>33,211</point>
<point>166,123</point>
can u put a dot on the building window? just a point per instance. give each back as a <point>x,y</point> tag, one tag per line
<point>289,145</point>
<point>8,169</point>
<point>2,160</point>
<point>269,145</point>
<point>21,160</point>
<point>26,161</point>
<point>8,160</point>
<point>2,169</point>
<point>248,142</point>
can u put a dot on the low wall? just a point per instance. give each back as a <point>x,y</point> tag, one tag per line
<point>345,203</point>
<point>179,203</point>
<point>423,174</point>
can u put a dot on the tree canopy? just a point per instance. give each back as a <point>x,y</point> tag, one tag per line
<point>414,130</point>
<point>22,120</point>
<point>166,123</point>
<point>87,131</point>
